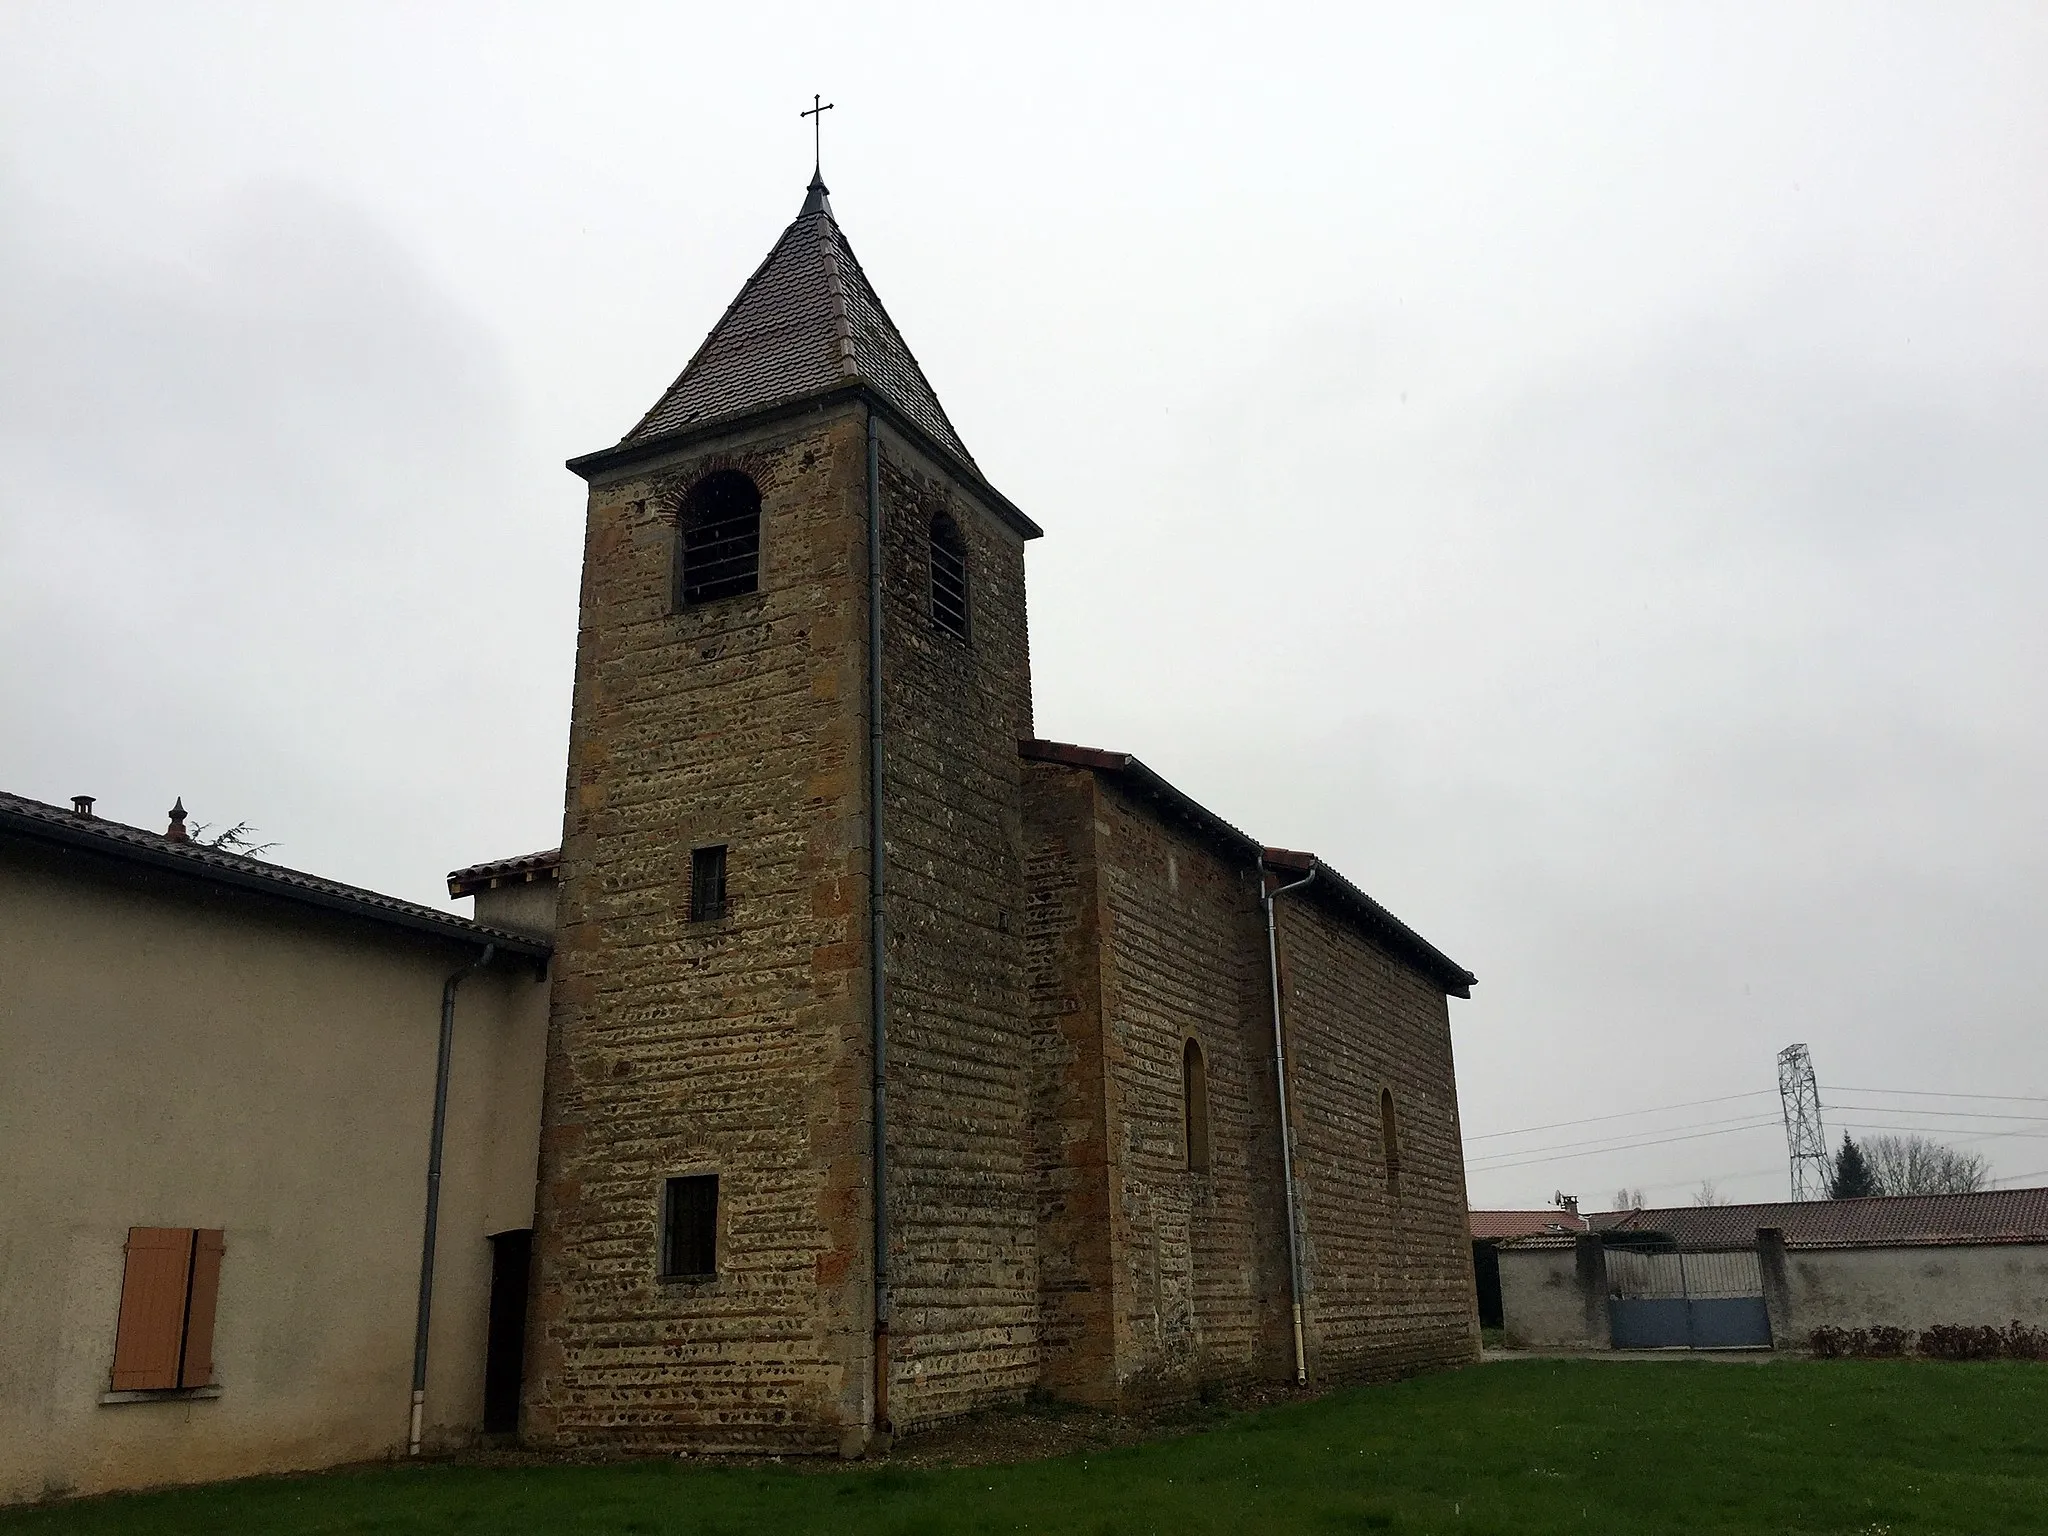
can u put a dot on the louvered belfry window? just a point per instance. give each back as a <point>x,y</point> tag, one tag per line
<point>949,577</point>
<point>720,539</point>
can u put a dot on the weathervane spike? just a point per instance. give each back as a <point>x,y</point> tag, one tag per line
<point>816,113</point>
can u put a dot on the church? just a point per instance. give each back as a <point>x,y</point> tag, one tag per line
<point>860,1059</point>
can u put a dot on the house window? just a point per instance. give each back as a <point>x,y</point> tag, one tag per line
<point>707,884</point>
<point>719,539</point>
<point>169,1285</point>
<point>949,577</point>
<point>689,1227</point>
<point>1390,1141</point>
<point>1194,1098</point>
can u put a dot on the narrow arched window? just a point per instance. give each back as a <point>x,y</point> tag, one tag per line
<point>949,577</point>
<point>1390,1141</point>
<point>719,543</point>
<point>1194,1098</point>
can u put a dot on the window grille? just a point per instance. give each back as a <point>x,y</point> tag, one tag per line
<point>689,1227</point>
<point>949,577</point>
<point>707,884</point>
<point>720,539</point>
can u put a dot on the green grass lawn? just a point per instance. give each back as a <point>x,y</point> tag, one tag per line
<point>1523,1446</point>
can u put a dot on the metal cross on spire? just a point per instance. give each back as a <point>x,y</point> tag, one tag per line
<point>816,113</point>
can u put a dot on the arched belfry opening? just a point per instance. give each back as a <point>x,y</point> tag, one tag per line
<point>949,576</point>
<point>718,542</point>
<point>1194,1084</point>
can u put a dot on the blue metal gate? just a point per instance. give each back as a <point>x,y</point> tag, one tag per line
<point>1671,1299</point>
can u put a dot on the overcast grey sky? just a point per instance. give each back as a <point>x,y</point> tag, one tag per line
<point>1581,469</point>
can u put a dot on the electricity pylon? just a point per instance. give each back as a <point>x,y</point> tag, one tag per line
<point>1812,1169</point>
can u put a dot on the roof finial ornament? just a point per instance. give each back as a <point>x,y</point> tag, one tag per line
<point>816,113</point>
<point>815,200</point>
<point>175,832</point>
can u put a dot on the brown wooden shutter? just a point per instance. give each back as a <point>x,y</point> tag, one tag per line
<point>197,1370</point>
<point>151,1334</point>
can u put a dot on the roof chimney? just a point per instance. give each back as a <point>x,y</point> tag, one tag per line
<point>81,805</point>
<point>175,832</point>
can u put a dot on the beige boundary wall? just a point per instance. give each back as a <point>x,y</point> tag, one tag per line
<point>1553,1293</point>
<point>177,1056</point>
<point>1916,1286</point>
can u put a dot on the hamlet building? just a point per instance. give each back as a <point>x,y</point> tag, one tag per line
<point>860,1059</point>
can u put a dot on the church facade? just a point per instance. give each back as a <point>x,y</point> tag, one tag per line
<point>859,1060</point>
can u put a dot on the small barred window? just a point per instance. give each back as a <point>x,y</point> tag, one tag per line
<point>707,884</point>
<point>719,539</point>
<point>949,577</point>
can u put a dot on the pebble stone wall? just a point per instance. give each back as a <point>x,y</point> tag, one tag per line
<point>1158,1279</point>
<point>736,1047</point>
<point>964,1262</point>
<point>1388,1264</point>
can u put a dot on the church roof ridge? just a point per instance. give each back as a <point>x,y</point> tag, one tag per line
<point>1333,887</point>
<point>806,322</point>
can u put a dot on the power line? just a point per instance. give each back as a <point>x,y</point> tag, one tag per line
<point>1596,1141</point>
<point>1627,1114</point>
<point>1949,1114</point>
<point>1627,1147</point>
<point>1923,1129</point>
<point>1931,1093</point>
<point>1616,1135</point>
<point>1501,1162</point>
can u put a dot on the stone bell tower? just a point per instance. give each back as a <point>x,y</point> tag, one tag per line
<point>707,1267</point>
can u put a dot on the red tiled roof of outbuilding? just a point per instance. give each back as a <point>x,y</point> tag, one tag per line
<point>1545,1223</point>
<point>1990,1216</point>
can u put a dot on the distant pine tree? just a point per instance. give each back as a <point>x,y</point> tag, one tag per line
<point>1853,1178</point>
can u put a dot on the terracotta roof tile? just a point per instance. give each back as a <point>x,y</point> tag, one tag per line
<point>525,866</point>
<point>1997,1215</point>
<point>1545,1223</point>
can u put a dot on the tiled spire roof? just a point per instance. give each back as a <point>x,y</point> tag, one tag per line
<point>807,322</point>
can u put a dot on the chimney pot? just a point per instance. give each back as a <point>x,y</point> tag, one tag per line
<point>175,832</point>
<point>81,805</point>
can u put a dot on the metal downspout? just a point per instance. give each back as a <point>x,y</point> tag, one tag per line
<point>426,1305</point>
<point>878,983</point>
<point>1268,898</point>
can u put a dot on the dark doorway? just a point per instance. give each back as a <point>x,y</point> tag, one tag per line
<point>1486,1276</point>
<point>505,1346</point>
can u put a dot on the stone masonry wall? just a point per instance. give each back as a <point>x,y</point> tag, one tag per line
<point>1388,1273</point>
<point>736,1047</point>
<point>1155,1279</point>
<point>1200,1256</point>
<point>964,1263</point>
<point>1070,1146</point>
